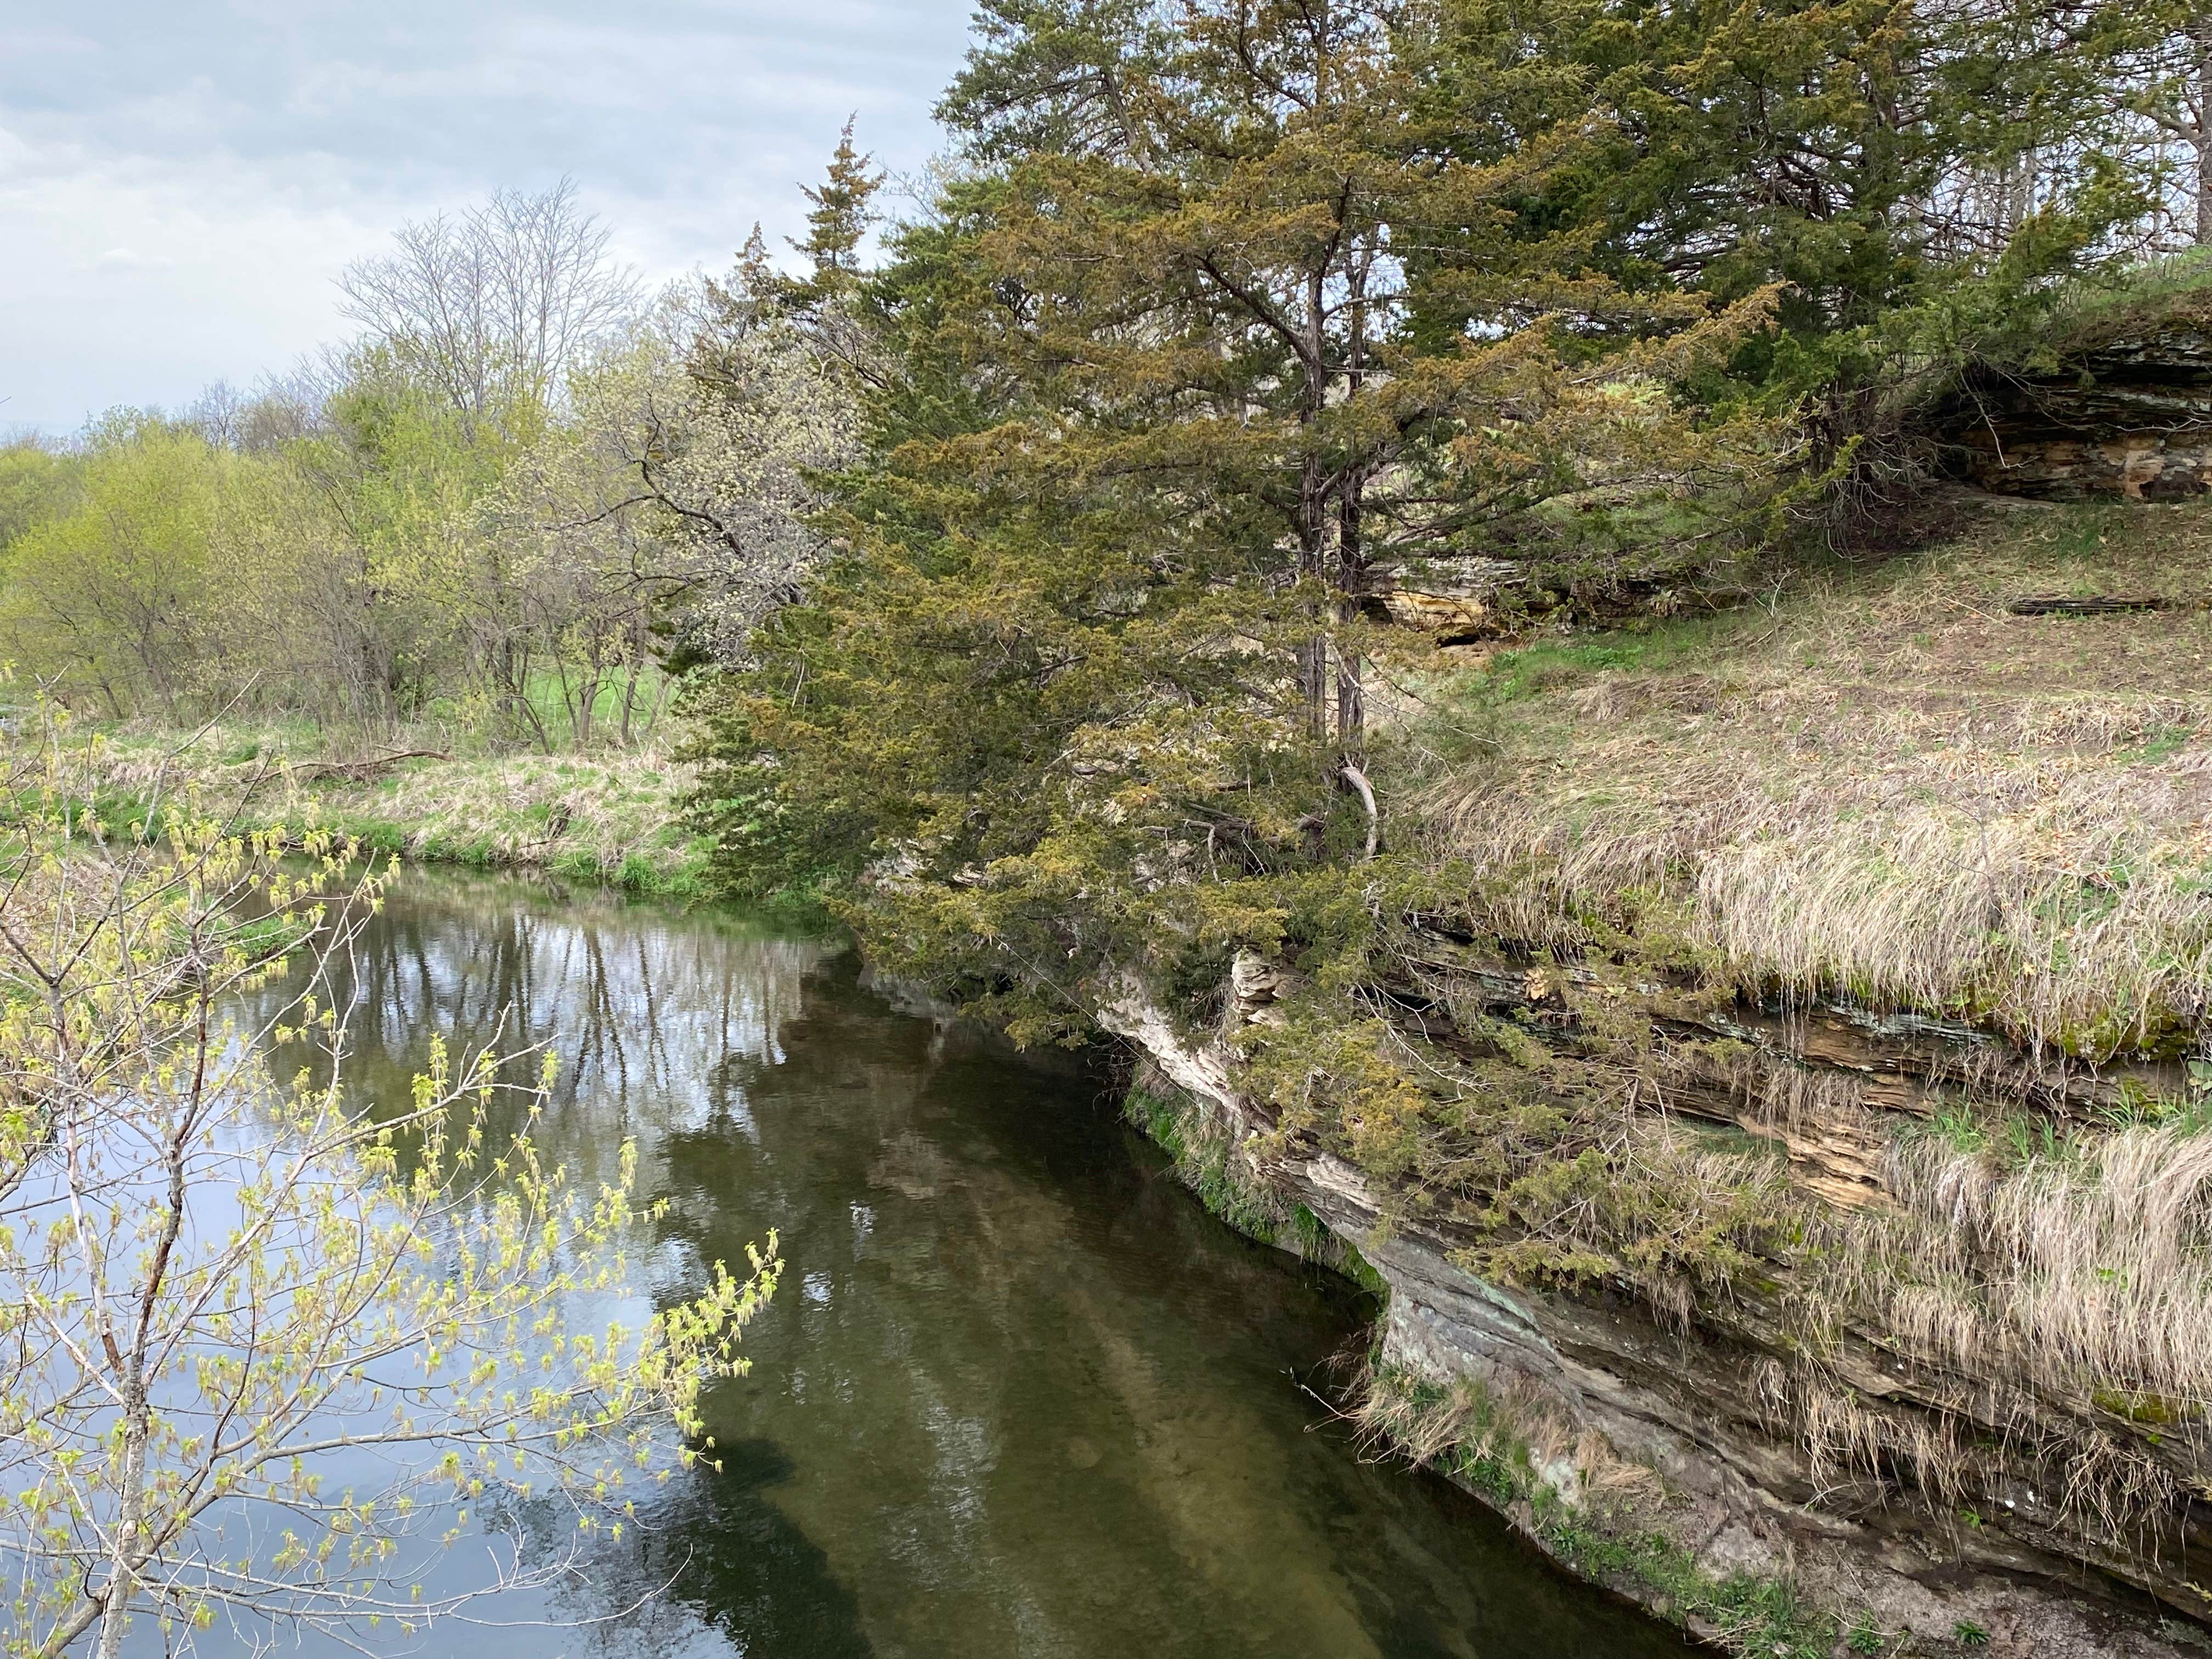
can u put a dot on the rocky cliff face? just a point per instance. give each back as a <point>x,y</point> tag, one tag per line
<point>2131,418</point>
<point>1709,1399</point>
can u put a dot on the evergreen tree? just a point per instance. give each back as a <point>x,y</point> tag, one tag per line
<point>1059,76</point>
<point>1909,176</point>
<point>1247,308</point>
<point>1164,401</point>
<point>837,223</point>
<point>1224,284</point>
<point>1855,152</point>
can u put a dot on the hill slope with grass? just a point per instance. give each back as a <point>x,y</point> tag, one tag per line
<point>1781,1116</point>
<point>1882,784</point>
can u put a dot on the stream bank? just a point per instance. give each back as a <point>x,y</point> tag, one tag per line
<point>1646,1454</point>
<point>602,817</point>
<point>1017,1395</point>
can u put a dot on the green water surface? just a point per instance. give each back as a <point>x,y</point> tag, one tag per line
<point>1017,1395</point>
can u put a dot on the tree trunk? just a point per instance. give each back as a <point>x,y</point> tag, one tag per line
<point>1350,576</point>
<point>514,686</point>
<point>2200,36</point>
<point>1313,505</point>
<point>1352,554</point>
<point>567,693</point>
<point>122,1577</point>
<point>1313,650</point>
<point>629,699</point>
<point>2204,186</point>
<point>2015,195</point>
<point>587,704</point>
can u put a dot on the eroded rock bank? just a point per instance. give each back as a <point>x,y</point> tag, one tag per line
<point>1663,1452</point>
<point>2122,409</point>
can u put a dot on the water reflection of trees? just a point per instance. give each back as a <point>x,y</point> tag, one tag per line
<point>1015,1393</point>
<point>653,1017</point>
<point>714,1553</point>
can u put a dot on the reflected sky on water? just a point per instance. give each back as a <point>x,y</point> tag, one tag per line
<point>1017,1395</point>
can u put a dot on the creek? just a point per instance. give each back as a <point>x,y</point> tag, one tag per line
<point>1017,1395</point>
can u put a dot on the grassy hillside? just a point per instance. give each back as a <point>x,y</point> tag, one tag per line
<point>1878,784</point>
<point>1832,974</point>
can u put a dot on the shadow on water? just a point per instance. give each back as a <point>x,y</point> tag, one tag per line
<point>1017,1395</point>
<point>738,1576</point>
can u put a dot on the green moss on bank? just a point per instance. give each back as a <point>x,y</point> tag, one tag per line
<point>1596,1515</point>
<point>1205,1161</point>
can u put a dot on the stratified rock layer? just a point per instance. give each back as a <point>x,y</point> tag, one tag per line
<point>2130,418</point>
<point>1703,1402</point>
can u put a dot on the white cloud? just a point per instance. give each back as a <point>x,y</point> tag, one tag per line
<point>180,183</point>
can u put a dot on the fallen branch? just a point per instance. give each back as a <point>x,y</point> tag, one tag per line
<point>1357,780</point>
<point>2103,605</point>
<point>361,771</point>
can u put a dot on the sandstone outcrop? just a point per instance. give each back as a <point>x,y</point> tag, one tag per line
<point>1710,1400</point>
<point>2129,417</point>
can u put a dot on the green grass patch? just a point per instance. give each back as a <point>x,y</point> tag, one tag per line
<point>1205,1160</point>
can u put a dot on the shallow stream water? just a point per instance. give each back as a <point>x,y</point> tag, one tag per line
<point>1017,1395</point>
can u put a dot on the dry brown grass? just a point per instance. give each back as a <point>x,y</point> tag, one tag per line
<point>2086,1276</point>
<point>1509,1425</point>
<point>2075,1476</point>
<point>1884,787</point>
<point>1847,1437</point>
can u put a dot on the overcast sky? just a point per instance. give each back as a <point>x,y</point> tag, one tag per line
<point>182,180</point>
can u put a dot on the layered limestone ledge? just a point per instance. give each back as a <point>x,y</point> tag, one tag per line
<point>2130,418</point>
<point>1692,1405</point>
<point>2069,466</point>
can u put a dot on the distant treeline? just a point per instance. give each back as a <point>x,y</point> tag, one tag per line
<point>517,494</point>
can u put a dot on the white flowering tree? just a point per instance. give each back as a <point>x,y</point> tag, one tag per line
<point>263,1346</point>
<point>671,488</point>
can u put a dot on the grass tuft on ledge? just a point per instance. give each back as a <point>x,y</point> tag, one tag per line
<point>1599,1514</point>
